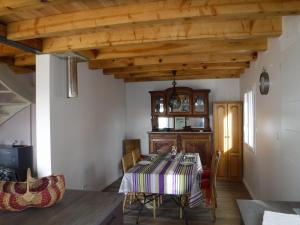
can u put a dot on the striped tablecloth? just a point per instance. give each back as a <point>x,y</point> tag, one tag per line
<point>166,176</point>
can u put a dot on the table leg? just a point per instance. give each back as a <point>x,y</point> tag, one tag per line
<point>140,211</point>
<point>147,199</point>
<point>183,213</point>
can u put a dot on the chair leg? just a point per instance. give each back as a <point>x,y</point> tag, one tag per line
<point>213,215</point>
<point>180,213</point>
<point>154,207</point>
<point>215,197</point>
<point>124,203</point>
<point>130,199</point>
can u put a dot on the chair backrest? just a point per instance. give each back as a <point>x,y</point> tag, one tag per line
<point>136,156</point>
<point>131,144</point>
<point>214,167</point>
<point>127,161</point>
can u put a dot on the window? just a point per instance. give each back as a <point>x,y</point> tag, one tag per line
<point>249,116</point>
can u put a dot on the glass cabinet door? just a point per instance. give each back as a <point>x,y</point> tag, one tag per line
<point>158,104</point>
<point>200,103</point>
<point>159,107</point>
<point>179,104</point>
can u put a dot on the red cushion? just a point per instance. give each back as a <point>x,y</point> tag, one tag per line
<point>205,174</point>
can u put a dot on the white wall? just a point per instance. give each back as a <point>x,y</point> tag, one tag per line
<point>273,171</point>
<point>138,102</point>
<point>86,132</point>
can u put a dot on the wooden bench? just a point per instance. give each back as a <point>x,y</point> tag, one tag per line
<point>77,207</point>
<point>252,210</point>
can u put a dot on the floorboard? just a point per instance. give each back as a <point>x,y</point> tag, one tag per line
<point>168,214</point>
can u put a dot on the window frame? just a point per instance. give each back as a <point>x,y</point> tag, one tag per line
<point>249,126</point>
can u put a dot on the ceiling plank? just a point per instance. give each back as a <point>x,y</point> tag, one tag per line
<point>150,12</point>
<point>180,73</point>
<point>164,78</point>
<point>232,29</point>
<point>184,66</point>
<point>183,47</point>
<point>172,59</point>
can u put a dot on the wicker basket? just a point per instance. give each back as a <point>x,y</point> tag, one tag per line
<point>38,193</point>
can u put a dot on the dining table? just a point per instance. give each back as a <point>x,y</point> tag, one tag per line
<point>173,175</point>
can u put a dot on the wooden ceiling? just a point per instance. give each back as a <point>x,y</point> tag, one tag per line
<point>144,40</point>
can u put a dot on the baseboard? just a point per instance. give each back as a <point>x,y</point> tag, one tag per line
<point>249,189</point>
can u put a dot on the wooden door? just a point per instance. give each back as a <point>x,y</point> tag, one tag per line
<point>234,139</point>
<point>198,143</point>
<point>220,137</point>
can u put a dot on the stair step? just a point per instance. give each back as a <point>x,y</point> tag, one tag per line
<point>13,103</point>
<point>3,114</point>
<point>5,91</point>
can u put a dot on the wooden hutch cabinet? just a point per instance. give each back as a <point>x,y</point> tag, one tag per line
<point>182,122</point>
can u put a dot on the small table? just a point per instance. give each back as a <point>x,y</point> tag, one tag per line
<point>252,210</point>
<point>76,208</point>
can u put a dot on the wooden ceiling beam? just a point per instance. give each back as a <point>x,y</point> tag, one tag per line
<point>32,43</point>
<point>88,54</point>
<point>150,12</point>
<point>183,47</point>
<point>3,30</point>
<point>9,51</point>
<point>12,6</point>
<point>187,77</point>
<point>180,73</point>
<point>179,67</point>
<point>25,60</point>
<point>233,29</point>
<point>172,59</point>
<point>9,61</point>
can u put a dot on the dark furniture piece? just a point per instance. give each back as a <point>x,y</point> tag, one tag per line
<point>18,158</point>
<point>76,208</point>
<point>252,210</point>
<point>193,142</point>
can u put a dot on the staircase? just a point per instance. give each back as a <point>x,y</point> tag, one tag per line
<point>16,93</point>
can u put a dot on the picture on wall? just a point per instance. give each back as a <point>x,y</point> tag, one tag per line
<point>179,122</point>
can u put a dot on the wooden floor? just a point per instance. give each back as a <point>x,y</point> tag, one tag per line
<point>227,212</point>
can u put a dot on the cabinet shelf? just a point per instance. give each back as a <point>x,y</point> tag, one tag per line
<point>189,103</point>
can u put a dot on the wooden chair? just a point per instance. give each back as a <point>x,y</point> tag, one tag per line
<point>131,144</point>
<point>136,155</point>
<point>208,185</point>
<point>127,163</point>
<point>129,160</point>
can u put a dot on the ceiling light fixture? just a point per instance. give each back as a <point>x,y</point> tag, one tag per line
<point>174,101</point>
